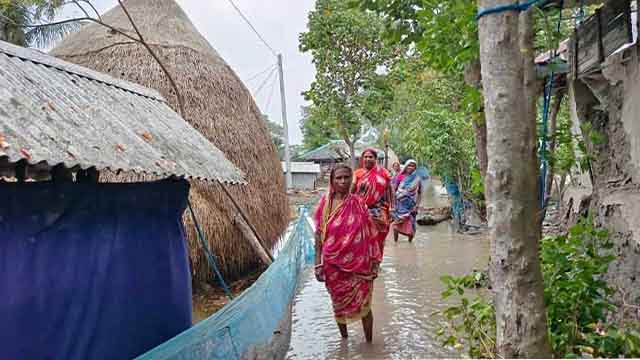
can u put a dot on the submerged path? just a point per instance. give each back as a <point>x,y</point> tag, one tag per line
<point>405,295</point>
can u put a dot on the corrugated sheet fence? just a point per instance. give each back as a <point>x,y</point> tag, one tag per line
<point>256,324</point>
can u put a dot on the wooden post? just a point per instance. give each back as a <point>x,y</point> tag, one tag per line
<point>576,47</point>
<point>253,240</point>
<point>628,19</point>
<point>246,219</point>
<point>601,56</point>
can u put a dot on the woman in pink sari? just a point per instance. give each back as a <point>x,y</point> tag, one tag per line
<point>347,259</point>
<point>373,183</point>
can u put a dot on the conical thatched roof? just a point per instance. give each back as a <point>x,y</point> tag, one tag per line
<point>216,103</point>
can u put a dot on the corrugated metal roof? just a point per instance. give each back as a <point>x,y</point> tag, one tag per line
<point>56,112</point>
<point>302,167</point>
<point>336,150</point>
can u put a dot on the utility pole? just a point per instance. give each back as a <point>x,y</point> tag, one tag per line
<point>285,126</point>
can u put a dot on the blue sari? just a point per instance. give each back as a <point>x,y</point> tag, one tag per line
<point>405,213</point>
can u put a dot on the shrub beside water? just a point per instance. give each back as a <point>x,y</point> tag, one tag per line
<point>577,300</point>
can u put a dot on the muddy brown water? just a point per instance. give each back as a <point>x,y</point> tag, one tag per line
<point>405,296</point>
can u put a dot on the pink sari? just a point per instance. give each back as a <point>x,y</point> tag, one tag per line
<point>348,256</point>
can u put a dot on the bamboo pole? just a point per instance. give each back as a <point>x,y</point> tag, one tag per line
<point>253,240</point>
<point>246,219</point>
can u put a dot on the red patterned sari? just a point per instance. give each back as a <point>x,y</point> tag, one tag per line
<point>349,256</point>
<point>375,187</point>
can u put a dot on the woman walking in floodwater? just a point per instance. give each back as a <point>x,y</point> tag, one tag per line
<point>408,196</point>
<point>347,257</point>
<point>373,183</point>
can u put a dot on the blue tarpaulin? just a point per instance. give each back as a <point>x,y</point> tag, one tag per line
<point>92,271</point>
<point>252,322</point>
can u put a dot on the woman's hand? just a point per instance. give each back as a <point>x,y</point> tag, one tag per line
<point>319,271</point>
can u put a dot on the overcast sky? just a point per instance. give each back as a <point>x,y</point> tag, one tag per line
<point>280,22</point>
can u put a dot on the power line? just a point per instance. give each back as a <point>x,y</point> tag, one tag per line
<point>273,87</point>
<point>260,73</point>
<point>252,27</point>
<point>255,94</point>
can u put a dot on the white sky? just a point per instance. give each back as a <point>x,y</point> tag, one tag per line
<point>280,22</point>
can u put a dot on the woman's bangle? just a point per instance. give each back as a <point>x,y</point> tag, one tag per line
<point>318,266</point>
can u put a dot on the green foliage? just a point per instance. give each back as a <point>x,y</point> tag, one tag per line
<point>563,159</point>
<point>20,16</point>
<point>477,184</point>
<point>546,27</point>
<point>431,111</point>
<point>590,139</point>
<point>576,296</point>
<point>296,152</point>
<point>444,32</point>
<point>450,37</point>
<point>470,323</point>
<point>317,127</point>
<point>348,49</point>
<point>277,135</point>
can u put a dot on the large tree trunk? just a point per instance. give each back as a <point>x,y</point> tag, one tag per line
<point>553,127</point>
<point>508,79</point>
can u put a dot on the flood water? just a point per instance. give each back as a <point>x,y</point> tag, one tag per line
<point>406,294</point>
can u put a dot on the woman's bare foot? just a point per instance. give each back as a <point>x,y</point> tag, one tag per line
<point>367,326</point>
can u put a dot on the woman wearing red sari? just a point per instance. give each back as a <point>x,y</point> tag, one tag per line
<point>347,259</point>
<point>373,183</point>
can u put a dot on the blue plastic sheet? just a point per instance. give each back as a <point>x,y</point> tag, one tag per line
<point>249,320</point>
<point>92,271</point>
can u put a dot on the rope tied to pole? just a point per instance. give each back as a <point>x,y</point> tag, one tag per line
<point>547,96</point>
<point>511,7</point>
<point>210,258</point>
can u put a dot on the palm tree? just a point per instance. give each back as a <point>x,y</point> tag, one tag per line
<point>19,20</point>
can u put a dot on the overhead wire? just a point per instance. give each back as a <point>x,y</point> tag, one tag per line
<point>273,87</point>
<point>255,94</point>
<point>254,76</point>
<point>246,20</point>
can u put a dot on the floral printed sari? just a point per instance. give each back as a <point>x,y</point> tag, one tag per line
<point>374,186</point>
<point>349,256</point>
<point>404,215</point>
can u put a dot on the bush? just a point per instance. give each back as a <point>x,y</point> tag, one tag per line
<point>576,296</point>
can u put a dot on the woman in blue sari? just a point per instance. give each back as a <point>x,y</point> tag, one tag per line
<point>408,196</point>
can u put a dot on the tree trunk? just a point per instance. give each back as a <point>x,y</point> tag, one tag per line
<point>561,187</point>
<point>480,129</point>
<point>473,78</point>
<point>508,77</point>
<point>3,31</point>
<point>352,153</point>
<point>553,127</point>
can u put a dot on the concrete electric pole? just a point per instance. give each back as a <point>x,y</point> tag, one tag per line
<point>285,126</point>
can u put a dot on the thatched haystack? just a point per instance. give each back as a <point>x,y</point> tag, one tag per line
<point>216,103</point>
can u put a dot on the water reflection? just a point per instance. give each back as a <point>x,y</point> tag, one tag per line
<point>405,295</point>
